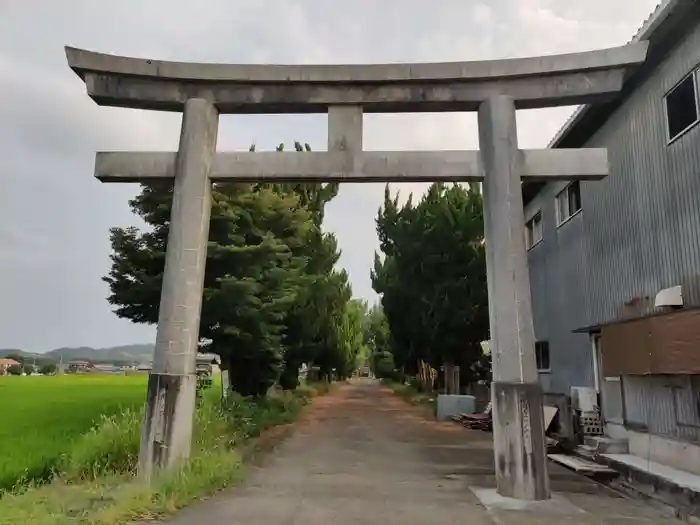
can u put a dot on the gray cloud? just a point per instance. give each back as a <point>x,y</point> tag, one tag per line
<point>54,216</point>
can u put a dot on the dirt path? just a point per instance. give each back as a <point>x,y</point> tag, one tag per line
<point>360,455</point>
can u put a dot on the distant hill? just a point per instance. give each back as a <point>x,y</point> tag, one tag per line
<point>4,352</point>
<point>125,353</point>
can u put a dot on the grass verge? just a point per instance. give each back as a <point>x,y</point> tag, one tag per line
<point>411,394</point>
<point>95,482</point>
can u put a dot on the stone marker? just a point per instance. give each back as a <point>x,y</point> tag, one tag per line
<point>496,89</point>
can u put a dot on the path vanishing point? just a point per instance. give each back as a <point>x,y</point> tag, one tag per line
<point>361,455</point>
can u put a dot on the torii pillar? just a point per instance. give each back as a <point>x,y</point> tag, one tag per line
<point>493,88</point>
<point>519,433</point>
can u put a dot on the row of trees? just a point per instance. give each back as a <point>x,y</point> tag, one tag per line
<point>431,277</point>
<point>272,296</point>
<point>27,368</point>
<point>274,300</point>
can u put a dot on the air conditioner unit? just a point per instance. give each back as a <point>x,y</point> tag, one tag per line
<point>669,297</point>
<point>584,398</point>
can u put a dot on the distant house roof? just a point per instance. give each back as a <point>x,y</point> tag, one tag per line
<point>6,361</point>
<point>105,366</point>
<point>666,25</point>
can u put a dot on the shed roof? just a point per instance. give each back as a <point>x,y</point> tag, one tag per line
<point>664,27</point>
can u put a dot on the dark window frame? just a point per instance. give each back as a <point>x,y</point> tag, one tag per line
<point>692,77</point>
<point>541,346</point>
<point>565,196</point>
<point>530,241</point>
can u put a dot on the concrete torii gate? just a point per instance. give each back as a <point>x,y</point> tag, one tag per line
<point>493,88</point>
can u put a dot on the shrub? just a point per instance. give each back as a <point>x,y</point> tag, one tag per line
<point>48,369</point>
<point>110,446</point>
<point>384,365</point>
<point>14,370</point>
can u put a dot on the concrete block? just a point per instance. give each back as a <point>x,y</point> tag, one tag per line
<point>450,405</point>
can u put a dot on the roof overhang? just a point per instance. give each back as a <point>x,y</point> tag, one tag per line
<point>668,24</point>
<point>596,328</point>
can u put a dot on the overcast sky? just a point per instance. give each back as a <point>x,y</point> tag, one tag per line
<point>54,217</point>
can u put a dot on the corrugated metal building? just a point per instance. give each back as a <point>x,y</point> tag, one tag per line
<point>600,252</point>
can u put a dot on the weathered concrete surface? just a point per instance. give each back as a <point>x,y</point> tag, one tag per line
<point>510,311</point>
<point>519,442</point>
<point>366,166</point>
<point>170,401</point>
<point>361,455</point>
<point>448,405</point>
<point>521,462</point>
<point>82,61</point>
<point>454,86</point>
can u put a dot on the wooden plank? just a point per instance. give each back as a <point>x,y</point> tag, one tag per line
<point>579,465</point>
<point>549,413</point>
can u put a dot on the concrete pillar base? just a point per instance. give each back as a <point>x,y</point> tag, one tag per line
<point>167,427</point>
<point>519,441</point>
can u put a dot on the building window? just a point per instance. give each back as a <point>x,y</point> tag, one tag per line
<point>568,202</point>
<point>533,231</point>
<point>681,107</point>
<point>542,356</point>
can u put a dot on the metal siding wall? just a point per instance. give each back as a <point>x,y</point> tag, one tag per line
<point>556,264</point>
<point>638,232</point>
<point>651,401</point>
<point>642,223</point>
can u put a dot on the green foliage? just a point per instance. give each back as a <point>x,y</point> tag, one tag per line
<point>55,411</point>
<point>377,336</point>
<point>316,324</point>
<point>14,370</point>
<point>47,369</point>
<point>350,338</point>
<point>15,357</point>
<point>204,383</point>
<point>272,297</point>
<point>411,392</point>
<point>383,365</point>
<point>112,445</point>
<point>96,483</point>
<point>432,278</point>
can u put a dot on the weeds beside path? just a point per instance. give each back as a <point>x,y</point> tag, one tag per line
<point>96,483</point>
<point>411,394</point>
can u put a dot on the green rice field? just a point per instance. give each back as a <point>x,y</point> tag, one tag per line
<point>42,416</point>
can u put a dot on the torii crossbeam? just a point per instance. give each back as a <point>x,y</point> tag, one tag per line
<point>375,166</point>
<point>493,88</point>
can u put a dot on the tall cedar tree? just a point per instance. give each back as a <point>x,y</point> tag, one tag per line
<point>272,297</point>
<point>432,278</point>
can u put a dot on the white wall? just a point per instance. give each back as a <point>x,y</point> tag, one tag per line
<point>660,449</point>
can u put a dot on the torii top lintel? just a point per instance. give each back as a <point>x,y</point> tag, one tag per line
<point>555,80</point>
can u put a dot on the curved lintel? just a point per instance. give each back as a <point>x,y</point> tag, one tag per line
<point>82,61</point>
<point>156,84</point>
